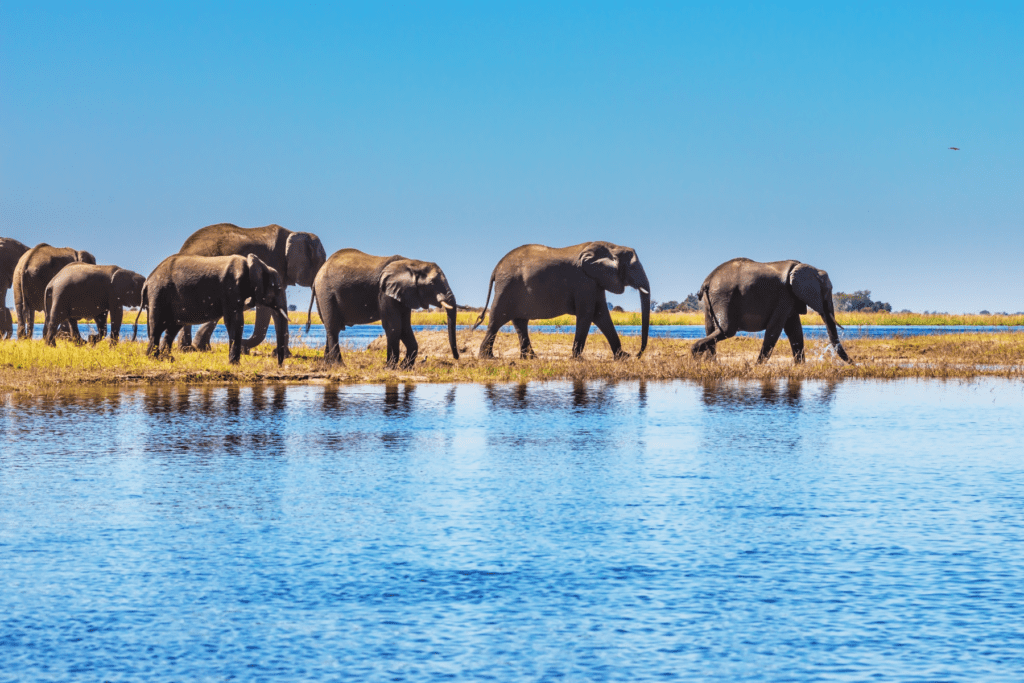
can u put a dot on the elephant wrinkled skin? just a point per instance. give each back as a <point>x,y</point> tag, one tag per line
<point>534,281</point>
<point>354,288</point>
<point>35,269</point>
<point>747,296</point>
<point>191,290</point>
<point>296,256</point>
<point>83,290</point>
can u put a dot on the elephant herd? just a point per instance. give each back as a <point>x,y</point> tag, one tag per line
<point>223,270</point>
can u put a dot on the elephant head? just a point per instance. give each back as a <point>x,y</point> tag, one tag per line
<point>420,284</point>
<point>614,268</point>
<point>126,286</point>
<point>85,257</point>
<point>304,255</point>
<point>813,288</point>
<point>268,290</point>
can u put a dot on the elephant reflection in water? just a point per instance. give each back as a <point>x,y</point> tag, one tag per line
<point>747,416</point>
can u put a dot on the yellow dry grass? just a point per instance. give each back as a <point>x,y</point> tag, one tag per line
<point>657,319</point>
<point>32,366</point>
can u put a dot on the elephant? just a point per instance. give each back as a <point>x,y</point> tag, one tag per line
<point>82,290</point>
<point>35,269</point>
<point>10,251</point>
<point>354,288</point>
<point>189,290</point>
<point>748,296</point>
<point>534,281</point>
<point>296,256</point>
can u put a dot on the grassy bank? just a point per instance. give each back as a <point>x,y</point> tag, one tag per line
<point>34,367</point>
<point>633,318</point>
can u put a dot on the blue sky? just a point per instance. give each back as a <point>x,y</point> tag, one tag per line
<point>454,132</point>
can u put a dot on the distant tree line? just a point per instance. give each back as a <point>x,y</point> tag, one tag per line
<point>843,302</point>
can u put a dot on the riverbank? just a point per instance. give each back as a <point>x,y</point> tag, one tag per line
<point>34,367</point>
<point>661,319</point>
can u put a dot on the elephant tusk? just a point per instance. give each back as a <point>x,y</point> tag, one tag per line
<point>447,305</point>
<point>643,291</point>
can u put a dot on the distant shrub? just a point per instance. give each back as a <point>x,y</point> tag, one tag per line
<point>858,301</point>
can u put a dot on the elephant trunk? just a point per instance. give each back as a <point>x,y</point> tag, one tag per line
<point>281,329</point>
<point>638,279</point>
<point>447,301</point>
<point>829,316</point>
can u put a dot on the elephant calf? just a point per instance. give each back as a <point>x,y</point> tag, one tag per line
<point>82,290</point>
<point>354,288</point>
<point>535,281</point>
<point>35,269</point>
<point>191,290</point>
<point>744,295</point>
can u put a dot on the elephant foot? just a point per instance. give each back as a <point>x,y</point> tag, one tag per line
<point>622,355</point>
<point>187,348</point>
<point>94,339</point>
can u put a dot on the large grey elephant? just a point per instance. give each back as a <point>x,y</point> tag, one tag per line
<point>82,290</point>
<point>10,251</point>
<point>535,281</point>
<point>296,256</point>
<point>191,290</point>
<point>35,269</point>
<point>354,288</point>
<point>744,295</point>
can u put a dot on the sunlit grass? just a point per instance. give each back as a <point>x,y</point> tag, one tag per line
<point>33,366</point>
<point>633,318</point>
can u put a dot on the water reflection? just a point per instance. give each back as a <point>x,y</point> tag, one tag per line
<point>751,417</point>
<point>370,532</point>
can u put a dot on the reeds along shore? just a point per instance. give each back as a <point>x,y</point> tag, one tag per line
<point>31,366</point>
<point>659,319</point>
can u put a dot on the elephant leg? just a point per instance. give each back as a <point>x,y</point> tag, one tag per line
<point>391,321</point>
<point>6,324</point>
<point>116,314</point>
<point>771,334</point>
<point>409,340</point>
<point>186,338</point>
<point>795,333</point>
<point>154,330</point>
<point>76,334</point>
<point>603,320</point>
<point>203,335</point>
<point>234,321</point>
<point>172,331</point>
<point>26,323</point>
<point>498,319</point>
<point>582,331</point>
<point>522,326</point>
<point>259,330</point>
<point>101,329</point>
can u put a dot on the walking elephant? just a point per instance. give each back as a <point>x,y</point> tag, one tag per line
<point>35,269</point>
<point>191,290</point>
<point>296,256</point>
<point>744,295</point>
<point>82,290</point>
<point>354,288</point>
<point>535,281</point>
<point>10,251</point>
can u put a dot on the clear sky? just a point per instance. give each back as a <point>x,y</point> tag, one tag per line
<point>454,132</point>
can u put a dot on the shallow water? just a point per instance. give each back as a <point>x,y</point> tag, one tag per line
<point>360,336</point>
<point>592,531</point>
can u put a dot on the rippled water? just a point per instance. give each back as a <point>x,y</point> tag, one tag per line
<point>360,336</point>
<point>732,532</point>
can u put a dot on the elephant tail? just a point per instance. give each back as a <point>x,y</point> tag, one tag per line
<point>486,303</point>
<point>144,304</point>
<point>309,313</point>
<point>705,294</point>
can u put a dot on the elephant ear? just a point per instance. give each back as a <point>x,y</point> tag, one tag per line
<point>398,281</point>
<point>257,274</point>
<point>85,257</point>
<point>299,256</point>
<point>807,287</point>
<point>601,266</point>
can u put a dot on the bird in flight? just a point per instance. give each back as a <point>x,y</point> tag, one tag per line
<point>955,148</point>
